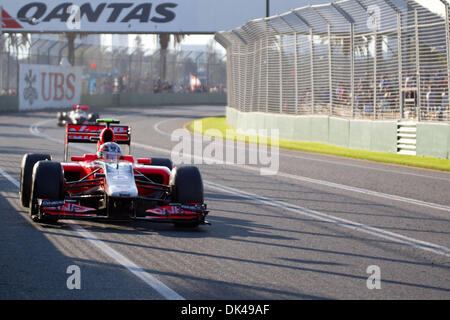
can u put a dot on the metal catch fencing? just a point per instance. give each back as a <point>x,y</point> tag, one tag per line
<point>116,69</point>
<point>359,59</point>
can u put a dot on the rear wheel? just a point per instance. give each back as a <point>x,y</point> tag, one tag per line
<point>60,118</point>
<point>28,162</point>
<point>187,188</point>
<point>93,117</point>
<point>163,162</point>
<point>47,183</point>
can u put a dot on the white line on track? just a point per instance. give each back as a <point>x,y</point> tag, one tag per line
<point>157,285</point>
<point>322,182</point>
<point>288,154</point>
<point>9,178</point>
<point>315,181</point>
<point>366,167</point>
<point>355,226</point>
<point>157,129</point>
<point>196,136</point>
<point>35,131</point>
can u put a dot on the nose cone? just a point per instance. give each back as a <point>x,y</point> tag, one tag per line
<point>120,180</point>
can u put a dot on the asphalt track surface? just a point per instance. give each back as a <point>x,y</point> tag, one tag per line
<point>309,232</point>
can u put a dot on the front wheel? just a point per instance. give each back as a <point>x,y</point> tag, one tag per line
<point>26,172</point>
<point>187,188</point>
<point>47,183</point>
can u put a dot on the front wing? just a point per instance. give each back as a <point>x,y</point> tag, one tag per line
<point>173,213</point>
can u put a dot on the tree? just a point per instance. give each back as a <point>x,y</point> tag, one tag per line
<point>215,66</point>
<point>71,36</point>
<point>164,39</point>
<point>138,54</point>
<point>16,41</point>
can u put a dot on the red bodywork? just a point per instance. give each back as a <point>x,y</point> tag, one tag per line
<point>81,106</point>
<point>85,185</point>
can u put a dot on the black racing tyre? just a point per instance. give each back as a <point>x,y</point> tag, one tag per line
<point>163,162</point>
<point>47,183</point>
<point>187,185</point>
<point>26,171</point>
<point>187,188</point>
<point>93,117</point>
<point>60,116</point>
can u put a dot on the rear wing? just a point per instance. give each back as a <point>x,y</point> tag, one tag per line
<point>83,107</point>
<point>78,133</point>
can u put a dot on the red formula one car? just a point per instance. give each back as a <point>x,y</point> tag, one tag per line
<point>109,185</point>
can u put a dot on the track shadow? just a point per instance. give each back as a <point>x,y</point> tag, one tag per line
<point>33,267</point>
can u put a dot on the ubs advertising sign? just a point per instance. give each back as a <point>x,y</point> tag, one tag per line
<point>129,16</point>
<point>44,86</point>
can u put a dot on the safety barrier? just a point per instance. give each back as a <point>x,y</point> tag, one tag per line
<point>431,139</point>
<point>354,59</point>
<point>10,103</point>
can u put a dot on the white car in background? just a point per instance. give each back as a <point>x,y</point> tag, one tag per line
<point>78,115</point>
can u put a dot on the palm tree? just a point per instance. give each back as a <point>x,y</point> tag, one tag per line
<point>164,39</point>
<point>71,36</point>
<point>16,41</point>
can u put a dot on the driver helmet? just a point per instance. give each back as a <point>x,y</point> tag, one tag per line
<point>109,151</point>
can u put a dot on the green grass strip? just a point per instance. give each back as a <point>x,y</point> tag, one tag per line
<point>218,124</point>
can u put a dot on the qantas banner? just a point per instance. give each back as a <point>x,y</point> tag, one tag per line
<point>44,86</point>
<point>129,16</point>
